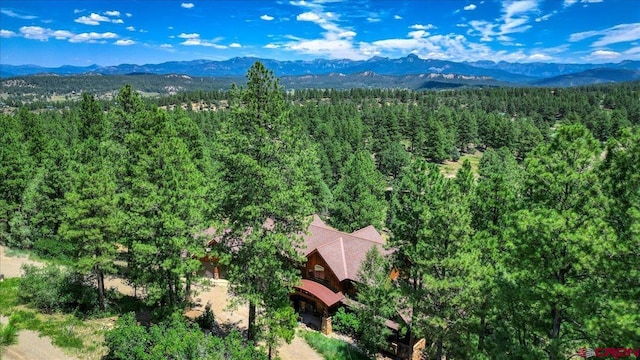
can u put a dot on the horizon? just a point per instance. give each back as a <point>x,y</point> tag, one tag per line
<point>86,33</point>
<point>306,60</point>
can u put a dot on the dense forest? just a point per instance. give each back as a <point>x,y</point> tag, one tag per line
<point>533,254</point>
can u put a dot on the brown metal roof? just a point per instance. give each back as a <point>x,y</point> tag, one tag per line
<point>321,292</point>
<point>342,251</point>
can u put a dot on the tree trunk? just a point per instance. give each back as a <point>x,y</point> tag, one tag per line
<point>483,325</point>
<point>187,290</point>
<point>439,350</point>
<point>100,276</point>
<point>252,321</point>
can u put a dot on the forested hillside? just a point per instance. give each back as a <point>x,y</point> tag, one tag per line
<point>533,255</point>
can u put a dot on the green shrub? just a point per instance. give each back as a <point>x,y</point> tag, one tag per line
<point>53,288</point>
<point>8,334</point>
<point>207,319</point>
<point>345,322</point>
<point>333,349</point>
<point>174,338</point>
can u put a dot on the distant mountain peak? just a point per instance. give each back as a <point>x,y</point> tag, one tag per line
<point>412,64</point>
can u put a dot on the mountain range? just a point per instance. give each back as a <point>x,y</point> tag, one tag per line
<point>500,73</point>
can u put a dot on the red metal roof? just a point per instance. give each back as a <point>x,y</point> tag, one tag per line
<point>321,292</point>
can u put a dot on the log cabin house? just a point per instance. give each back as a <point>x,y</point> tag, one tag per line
<point>329,277</point>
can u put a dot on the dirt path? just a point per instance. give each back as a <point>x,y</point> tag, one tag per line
<point>218,297</point>
<point>11,266</point>
<point>30,346</point>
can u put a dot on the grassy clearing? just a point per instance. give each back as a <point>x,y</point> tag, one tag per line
<point>450,168</point>
<point>332,349</point>
<point>78,338</point>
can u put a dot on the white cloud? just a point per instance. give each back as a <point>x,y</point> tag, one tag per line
<point>189,36</point>
<point>397,17</point>
<point>470,7</point>
<point>336,41</point>
<point>117,21</point>
<point>187,5</point>
<point>347,34</point>
<point>200,42</point>
<point>605,54</point>
<point>613,35</point>
<point>582,35</point>
<point>333,48</point>
<point>373,20</point>
<point>92,37</point>
<point>271,46</point>
<point>14,14</point>
<point>128,14</point>
<point>235,45</point>
<point>7,33</point>
<point>43,34</point>
<point>62,34</point>
<point>115,13</point>
<point>482,28</point>
<point>422,27</point>
<point>166,46</point>
<point>545,17</point>
<point>194,40</point>
<point>124,42</point>
<point>418,34</point>
<point>78,11</point>
<point>539,57</point>
<point>514,19</point>
<point>35,33</point>
<point>632,51</point>
<point>266,17</point>
<point>308,16</point>
<point>93,19</point>
<point>131,28</point>
<point>568,3</point>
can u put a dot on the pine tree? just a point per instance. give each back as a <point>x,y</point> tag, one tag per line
<point>266,162</point>
<point>92,220</point>
<point>164,204</point>
<point>430,228</point>
<point>378,296</point>
<point>555,244</point>
<point>358,198</point>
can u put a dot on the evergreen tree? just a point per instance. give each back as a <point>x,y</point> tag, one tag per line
<point>620,174</point>
<point>267,164</point>
<point>392,159</point>
<point>554,246</point>
<point>378,295</point>
<point>464,179</point>
<point>358,198</point>
<point>92,221</point>
<point>16,166</point>
<point>164,206</point>
<point>466,131</point>
<point>430,226</point>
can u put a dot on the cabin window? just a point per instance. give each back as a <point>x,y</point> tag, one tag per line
<point>318,271</point>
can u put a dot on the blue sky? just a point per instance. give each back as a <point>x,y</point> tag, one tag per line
<point>55,33</point>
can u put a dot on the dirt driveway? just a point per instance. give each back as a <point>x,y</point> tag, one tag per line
<point>217,295</point>
<point>33,347</point>
<point>30,345</point>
